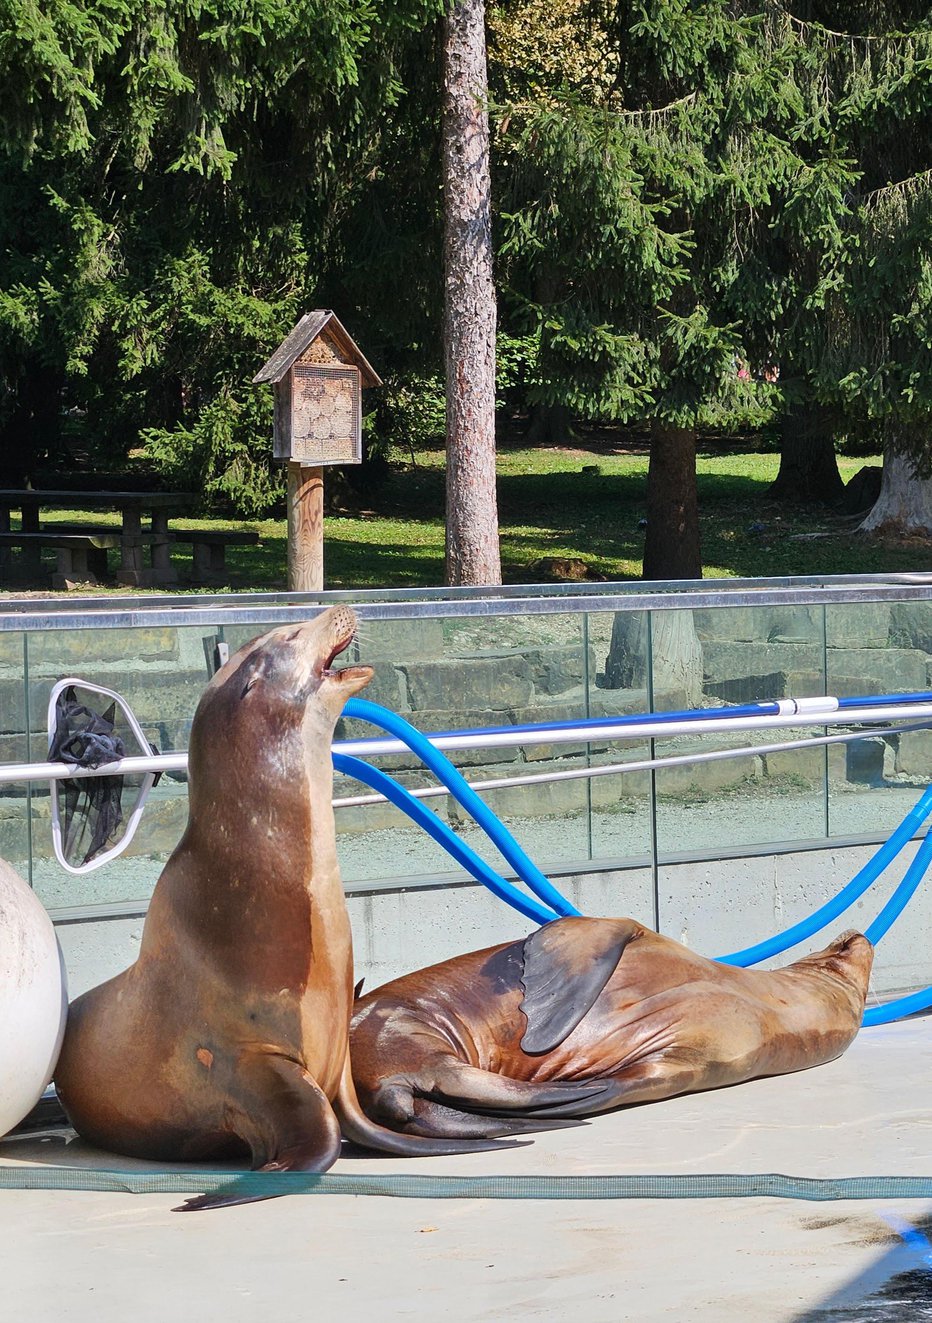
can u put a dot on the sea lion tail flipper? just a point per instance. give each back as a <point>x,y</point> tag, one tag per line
<point>361,1129</point>
<point>435,1120</point>
<point>452,1098</point>
<point>298,1131</point>
<point>456,1083</point>
<point>567,963</point>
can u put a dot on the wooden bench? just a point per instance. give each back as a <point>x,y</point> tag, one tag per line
<point>134,507</point>
<point>82,552</point>
<point>208,549</point>
<point>82,556</point>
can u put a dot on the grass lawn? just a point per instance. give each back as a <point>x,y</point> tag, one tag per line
<point>582,502</point>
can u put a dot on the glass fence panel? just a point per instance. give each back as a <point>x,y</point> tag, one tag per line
<point>14,748</point>
<point>752,799</point>
<point>160,673</point>
<point>378,842</point>
<point>620,806</point>
<point>619,686</point>
<point>455,674</point>
<point>878,648</point>
<point>752,654</point>
<point>731,656</point>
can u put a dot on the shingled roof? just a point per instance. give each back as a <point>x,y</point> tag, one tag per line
<point>296,341</point>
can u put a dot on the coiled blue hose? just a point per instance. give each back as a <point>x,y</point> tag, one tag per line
<point>462,791</point>
<point>387,785</point>
<point>799,932</point>
<point>896,1010</point>
<point>902,895</point>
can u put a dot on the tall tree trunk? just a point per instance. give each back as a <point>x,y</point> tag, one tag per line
<point>671,547</point>
<point>472,546</point>
<point>808,467</point>
<point>905,501</point>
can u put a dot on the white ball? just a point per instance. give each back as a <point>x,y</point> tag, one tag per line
<point>33,999</point>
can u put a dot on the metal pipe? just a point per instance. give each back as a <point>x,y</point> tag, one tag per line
<point>580,733</point>
<point>637,728</point>
<point>637,765</point>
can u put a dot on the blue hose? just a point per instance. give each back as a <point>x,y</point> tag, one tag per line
<point>462,791</point>
<point>896,1010</point>
<point>799,932</point>
<point>387,785</point>
<point>902,895</point>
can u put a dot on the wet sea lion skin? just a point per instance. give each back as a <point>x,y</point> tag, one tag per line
<point>585,1000</point>
<point>228,1037</point>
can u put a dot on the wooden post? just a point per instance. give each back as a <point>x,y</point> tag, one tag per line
<point>305,529</point>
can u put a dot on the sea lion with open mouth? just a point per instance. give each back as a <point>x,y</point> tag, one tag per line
<point>445,1050</point>
<point>228,1037</point>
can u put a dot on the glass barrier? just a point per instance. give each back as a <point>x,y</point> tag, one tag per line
<point>734,656</point>
<point>17,801</point>
<point>445,674</point>
<point>878,648</point>
<point>553,658</point>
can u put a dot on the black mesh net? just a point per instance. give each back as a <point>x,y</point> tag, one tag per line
<point>90,809</point>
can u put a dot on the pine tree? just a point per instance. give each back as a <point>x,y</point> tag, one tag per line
<point>689,216</point>
<point>619,198</point>
<point>177,183</point>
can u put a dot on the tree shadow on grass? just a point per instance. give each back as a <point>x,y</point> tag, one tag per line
<point>596,517</point>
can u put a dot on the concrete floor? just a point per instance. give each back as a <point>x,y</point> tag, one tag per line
<point>82,1256</point>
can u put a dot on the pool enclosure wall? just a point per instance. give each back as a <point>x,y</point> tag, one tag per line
<point>716,854</point>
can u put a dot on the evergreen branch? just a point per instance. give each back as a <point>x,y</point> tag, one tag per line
<point>902,188</point>
<point>556,101</point>
<point>808,30</point>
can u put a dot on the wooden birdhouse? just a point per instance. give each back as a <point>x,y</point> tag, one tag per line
<point>319,375</point>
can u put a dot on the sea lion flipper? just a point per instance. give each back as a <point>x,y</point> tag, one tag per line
<point>297,1131</point>
<point>362,1129</point>
<point>567,963</point>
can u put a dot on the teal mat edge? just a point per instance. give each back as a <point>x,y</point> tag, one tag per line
<point>766,1185</point>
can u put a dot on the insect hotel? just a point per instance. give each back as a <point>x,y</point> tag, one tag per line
<point>319,374</point>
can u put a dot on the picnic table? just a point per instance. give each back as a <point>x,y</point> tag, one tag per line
<point>82,549</point>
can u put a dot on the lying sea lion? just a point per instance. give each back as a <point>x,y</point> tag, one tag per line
<point>228,1038</point>
<point>444,1049</point>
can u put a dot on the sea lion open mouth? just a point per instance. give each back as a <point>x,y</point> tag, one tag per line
<point>328,667</point>
<point>359,675</point>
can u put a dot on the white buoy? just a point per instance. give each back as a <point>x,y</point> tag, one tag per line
<point>33,999</point>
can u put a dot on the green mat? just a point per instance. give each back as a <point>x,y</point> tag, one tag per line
<point>767,1185</point>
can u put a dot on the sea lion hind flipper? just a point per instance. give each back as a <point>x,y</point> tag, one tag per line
<point>455,1083</point>
<point>450,1096</point>
<point>567,963</point>
<point>297,1131</point>
<point>361,1129</point>
<point>436,1120</point>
